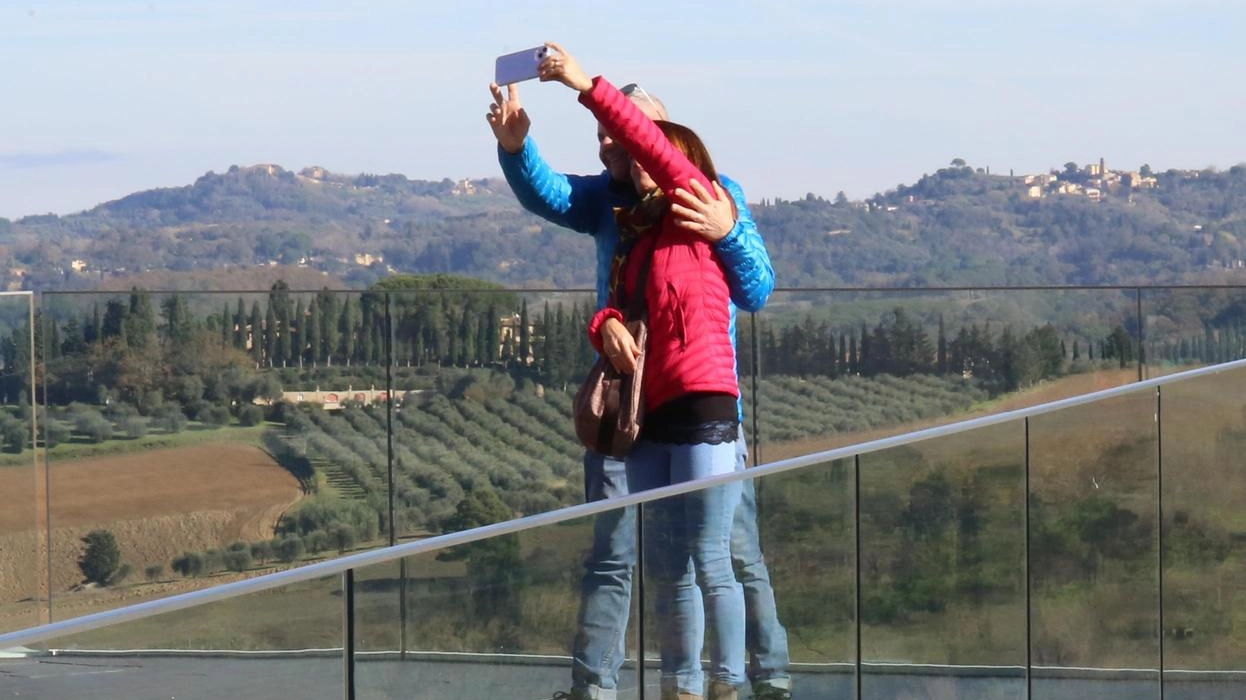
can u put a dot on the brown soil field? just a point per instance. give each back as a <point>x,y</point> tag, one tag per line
<point>157,503</point>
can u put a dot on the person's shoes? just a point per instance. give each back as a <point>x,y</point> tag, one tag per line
<point>573,694</point>
<point>673,694</point>
<point>721,691</point>
<point>765,691</point>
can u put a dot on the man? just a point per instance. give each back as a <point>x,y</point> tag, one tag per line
<point>586,203</point>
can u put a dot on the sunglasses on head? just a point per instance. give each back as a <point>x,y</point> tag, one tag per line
<point>631,88</point>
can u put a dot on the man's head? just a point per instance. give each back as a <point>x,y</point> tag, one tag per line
<point>612,155</point>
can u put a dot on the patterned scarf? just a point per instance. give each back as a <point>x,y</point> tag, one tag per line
<point>635,222</point>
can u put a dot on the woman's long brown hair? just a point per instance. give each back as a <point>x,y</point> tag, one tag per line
<point>691,145</point>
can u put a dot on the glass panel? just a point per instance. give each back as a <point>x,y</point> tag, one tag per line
<point>507,606</point>
<point>1201,425</point>
<point>806,520</point>
<point>22,570</point>
<point>943,567</point>
<point>839,368</point>
<point>1187,328</point>
<point>282,643</point>
<point>181,426</point>
<point>484,382</point>
<point>1093,547</point>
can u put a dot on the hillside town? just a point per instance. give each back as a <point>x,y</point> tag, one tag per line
<point>1093,181</point>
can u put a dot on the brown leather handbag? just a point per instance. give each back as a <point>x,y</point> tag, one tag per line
<point>609,408</point>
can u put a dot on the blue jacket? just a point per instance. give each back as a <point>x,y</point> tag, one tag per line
<point>585,203</point>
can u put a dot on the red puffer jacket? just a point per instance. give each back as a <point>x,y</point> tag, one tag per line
<point>690,348</point>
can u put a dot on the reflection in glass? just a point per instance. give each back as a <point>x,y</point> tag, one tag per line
<point>490,617</point>
<point>843,367</point>
<point>1203,428</point>
<point>168,434</point>
<point>1093,541</point>
<point>942,566</point>
<point>483,382</point>
<point>1191,327</point>
<point>806,521</point>
<point>22,511</point>
<point>284,642</point>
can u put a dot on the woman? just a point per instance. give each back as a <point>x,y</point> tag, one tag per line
<point>690,386</point>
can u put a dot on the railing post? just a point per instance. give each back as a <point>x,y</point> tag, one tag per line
<point>348,634</point>
<point>389,414</point>
<point>1141,336</point>
<point>1029,606</point>
<point>638,590</point>
<point>43,598</point>
<point>856,532</point>
<point>755,372</point>
<point>1159,511</point>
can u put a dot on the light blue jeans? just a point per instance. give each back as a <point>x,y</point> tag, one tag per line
<point>694,527</point>
<point>606,588</point>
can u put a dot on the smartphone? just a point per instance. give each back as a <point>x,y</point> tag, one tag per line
<point>519,66</point>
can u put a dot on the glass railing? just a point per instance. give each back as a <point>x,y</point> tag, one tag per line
<point>22,487</point>
<point>1080,548</point>
<point>203,437</point>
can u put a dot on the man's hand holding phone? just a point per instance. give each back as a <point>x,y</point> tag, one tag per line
<point>507,118</point>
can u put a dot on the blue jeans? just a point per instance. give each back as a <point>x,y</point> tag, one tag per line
<point>606,588</point>
<point>694,527</point>
<point>764,636</point>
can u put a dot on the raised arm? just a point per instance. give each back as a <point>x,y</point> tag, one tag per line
<point>642,139</point>
<point>569,201</point>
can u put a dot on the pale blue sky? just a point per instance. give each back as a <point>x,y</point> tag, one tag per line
<point>100,98</point>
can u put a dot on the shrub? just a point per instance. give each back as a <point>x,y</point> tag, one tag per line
<point>14,433</point>
<point>288,548</point>
<point>93,425</point>
<point>250,414</point>
<point>101,558</point>
<point>317,542</point>
<point>121,574</point>
<point>134,427</point>
<point>214,415</point>
<point>170,418</point>
<point>343,536</point>
<point>261,551</point>
<point>189,564</point>
<point>213,560</point>
<point>237,559</point>
<point>153,572</point>
<point>55,432</point>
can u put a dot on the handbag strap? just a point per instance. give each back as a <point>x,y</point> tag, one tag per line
<point>634,306</point>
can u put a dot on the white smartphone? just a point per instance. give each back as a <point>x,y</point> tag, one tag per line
<point>519,66</point>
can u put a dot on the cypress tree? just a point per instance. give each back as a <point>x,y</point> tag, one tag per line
<point>941,351</point>
<point>240,325</point>
<point>346,332</point>
<point>314,328</point>
<point>256,333</point>
<point>525,334</point>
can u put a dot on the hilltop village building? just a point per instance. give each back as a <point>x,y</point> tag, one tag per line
<point>1093,181</point>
